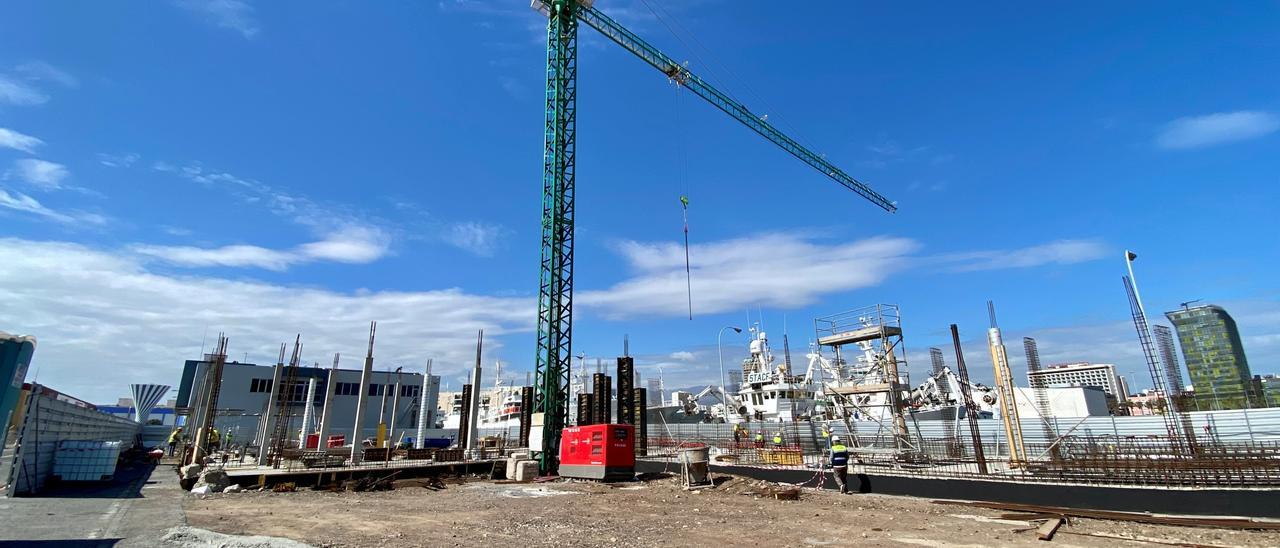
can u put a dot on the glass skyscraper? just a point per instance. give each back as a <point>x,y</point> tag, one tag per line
<point>1215,358</point>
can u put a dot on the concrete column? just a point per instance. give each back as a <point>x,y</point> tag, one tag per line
<point>266,425</point>
<point>307,410</point>
<point>423,412</point>
<point>395,408</point>
<point>357,452</point>
<point>330,389</point>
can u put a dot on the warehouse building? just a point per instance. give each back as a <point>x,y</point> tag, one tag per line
<point>246,389</point>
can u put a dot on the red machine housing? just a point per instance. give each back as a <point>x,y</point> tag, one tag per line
<point>598,451</point>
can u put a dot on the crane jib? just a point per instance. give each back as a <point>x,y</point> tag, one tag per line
<point>681,75</point>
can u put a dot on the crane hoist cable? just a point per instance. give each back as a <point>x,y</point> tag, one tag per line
<point>684,200</point>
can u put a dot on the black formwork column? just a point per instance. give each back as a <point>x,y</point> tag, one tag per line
<point>526,414</point>
<point>597,388</point>
<point>639,403</point>
<point>585,410</point>
<point>626,383</point>
<point>465,417</point>
<point>605,400</point>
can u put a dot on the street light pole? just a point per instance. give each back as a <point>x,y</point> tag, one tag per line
<point>720,352</point>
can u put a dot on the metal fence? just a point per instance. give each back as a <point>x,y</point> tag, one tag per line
<point>47,421</point>
<point>1232,448</point>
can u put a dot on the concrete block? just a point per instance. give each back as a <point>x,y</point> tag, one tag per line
<point>526,470</point>
<point>215,478</point>
<point>511,467</point>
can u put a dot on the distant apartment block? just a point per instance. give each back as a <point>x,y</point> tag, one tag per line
<point>1101,375</point>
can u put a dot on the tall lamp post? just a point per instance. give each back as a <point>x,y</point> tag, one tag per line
<point>720,351</point>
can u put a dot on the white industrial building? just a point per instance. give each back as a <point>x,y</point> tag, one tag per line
<point>1061,402</point>
<point>1101,375</point>
<point>246,389</point>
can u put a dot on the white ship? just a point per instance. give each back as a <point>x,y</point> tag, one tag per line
<point>499,407</point>
<point>939,398</point>
<point>683,408</point>
<point>770,392</point>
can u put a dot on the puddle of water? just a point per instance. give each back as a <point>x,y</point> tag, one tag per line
<point>525,492</point>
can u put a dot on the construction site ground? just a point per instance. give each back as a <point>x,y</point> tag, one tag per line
<point>658,512</point>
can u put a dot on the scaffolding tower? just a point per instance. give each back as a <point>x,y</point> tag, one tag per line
<point>876,387</point>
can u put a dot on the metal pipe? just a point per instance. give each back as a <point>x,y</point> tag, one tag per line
<point>720,353</point>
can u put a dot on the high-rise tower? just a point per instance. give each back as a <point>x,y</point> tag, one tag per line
<point>1215,357</point>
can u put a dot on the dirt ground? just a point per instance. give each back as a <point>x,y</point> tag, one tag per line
<point>653,513</point>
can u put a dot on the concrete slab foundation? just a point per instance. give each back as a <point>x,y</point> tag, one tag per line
<point>1243,502</point>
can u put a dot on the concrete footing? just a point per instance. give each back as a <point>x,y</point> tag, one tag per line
<point>526,470</point>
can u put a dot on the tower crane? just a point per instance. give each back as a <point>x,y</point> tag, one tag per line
<point>555,279</point>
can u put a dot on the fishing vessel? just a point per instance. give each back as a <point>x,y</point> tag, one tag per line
<point>770,391</point>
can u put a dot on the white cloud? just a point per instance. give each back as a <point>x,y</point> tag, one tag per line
<point>42,174</point>
<point>83,304</point>
<point>18,141</point>
<point>1213,129</point>
<point>18,201</point>
<point>1059,252</point>
<point>235,15</point>
<point>352,244</point>
<point>13,92</point>
<point>683,356</point>
<point>230,255</point>
<point>355,244</point>
<point>40,70</point>
<point>482,239</point>
<point>788,270</point>
<point>779,270</point>
<point>117,160</point>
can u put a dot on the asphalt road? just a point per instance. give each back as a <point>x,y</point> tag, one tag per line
<point>135,509</point>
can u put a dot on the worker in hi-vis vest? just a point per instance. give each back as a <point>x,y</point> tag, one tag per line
<point>760,438</point>
<point>840,463</point>
<point>777,439</point>
<point>174,438</point>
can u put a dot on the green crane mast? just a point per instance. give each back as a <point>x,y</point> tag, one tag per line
<point>555,279</point>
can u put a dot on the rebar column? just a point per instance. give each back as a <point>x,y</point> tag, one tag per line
<point>970,408</point>
<point>268,418</point>
<point>357,449</point>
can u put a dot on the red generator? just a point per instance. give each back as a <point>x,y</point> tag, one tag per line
<point>598,451</point>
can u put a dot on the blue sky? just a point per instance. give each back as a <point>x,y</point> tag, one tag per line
<point>169,170</point>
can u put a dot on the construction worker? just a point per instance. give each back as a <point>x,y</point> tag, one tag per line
<point>759,438</point>
<point>840,463</point>
<point>777,439</point>
<point>215,440</point>
<point>826,436</point>
<point>174,438</point>
<point>737,433</point>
